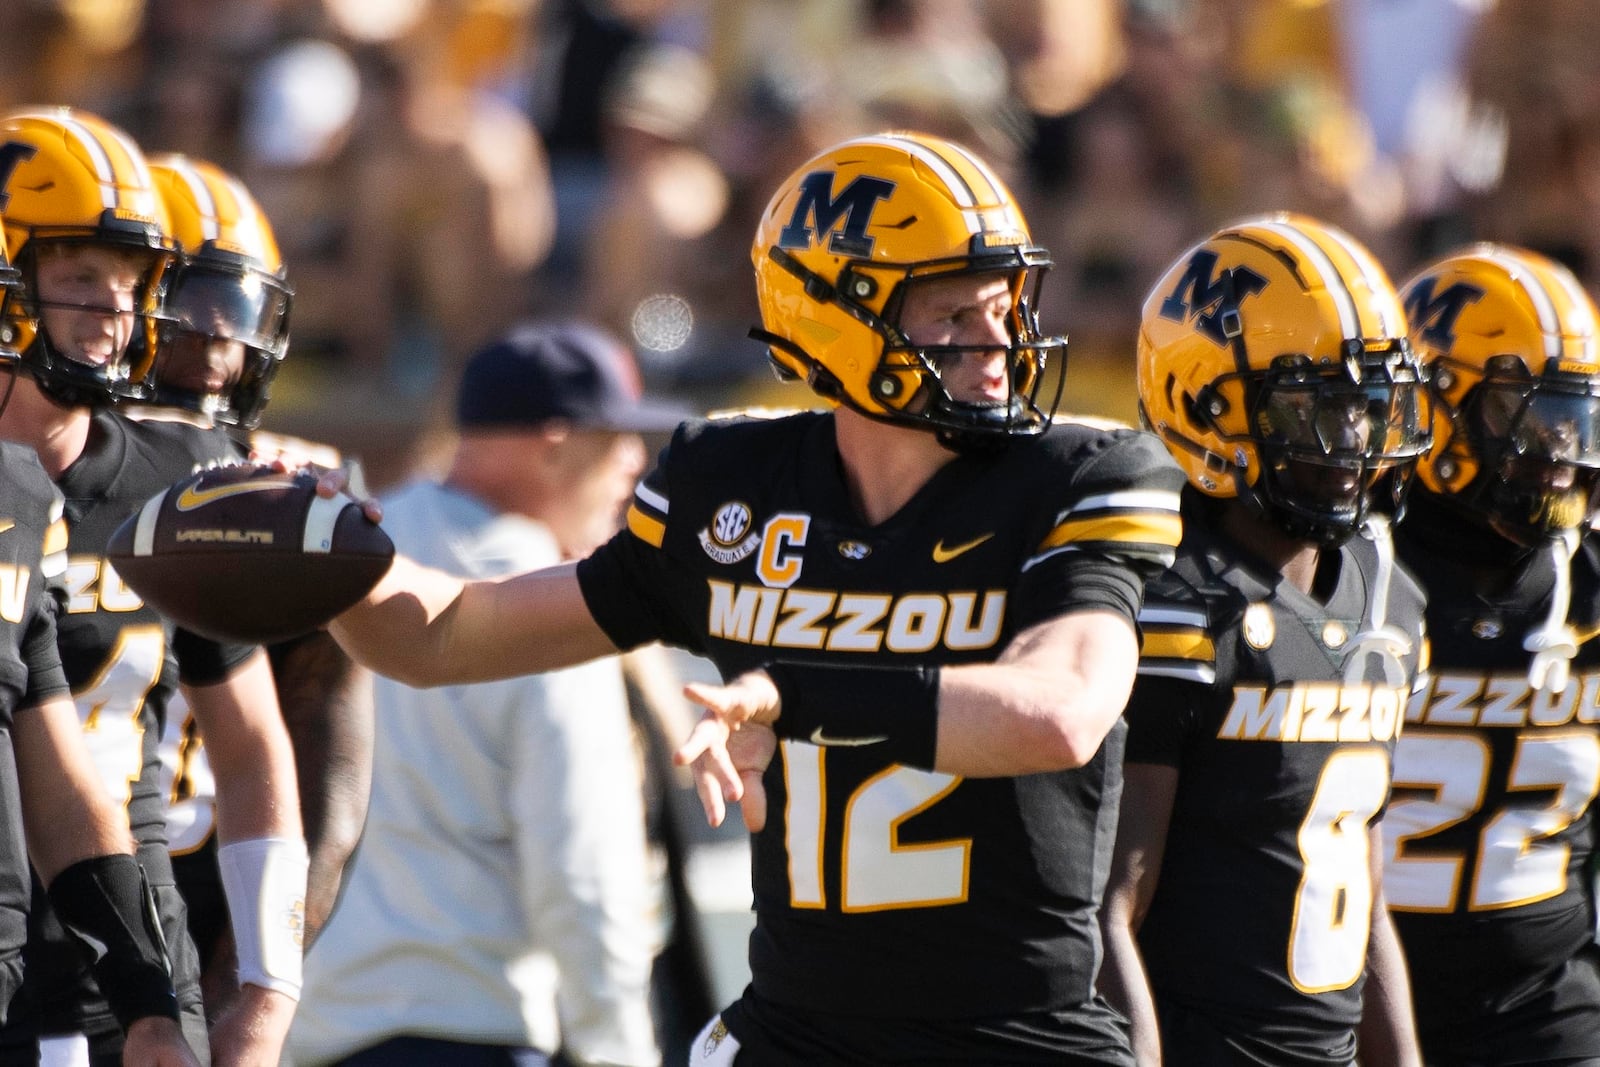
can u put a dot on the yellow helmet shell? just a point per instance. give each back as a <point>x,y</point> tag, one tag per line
<point>212,212</point>
<point>1256,289</point>
<point>857,221</point>
<point>84,175</point>
<point>1479,303</point>
<point>74,176</point>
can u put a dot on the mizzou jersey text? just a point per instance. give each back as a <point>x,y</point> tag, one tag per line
<point>1279,714</point>
<point>124,662</point>
<point>1491,830</point>
<point>33,544</point>
<point>923,895</point>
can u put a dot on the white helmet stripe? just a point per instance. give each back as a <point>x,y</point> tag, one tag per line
<point>202,196</point>
<point>1375,279</point>
<point>1581,322</point>
<point>996,195</point>
<point>939,165</point>
<point>960,191</point>
<point>250,222</point>
<point>104,173</point>
<point>1543,305</point>
<point>1349,318</point>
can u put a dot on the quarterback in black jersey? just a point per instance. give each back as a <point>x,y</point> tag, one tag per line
<point>923,605</point>
<point>1492,827</point>
<point>85,228</point>
<point>1245,905</point>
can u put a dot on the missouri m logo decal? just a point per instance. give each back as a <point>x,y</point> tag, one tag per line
<point>817,204</point>
<point>1212,300</point>
<point>12,153</point>
<point>1434,315</point>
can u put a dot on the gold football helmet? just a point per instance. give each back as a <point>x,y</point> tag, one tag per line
<point>79,187</point>
<point>835,250</point>
<point>1273,361</point>
<point>1509,338</point>
<point>227,300</point>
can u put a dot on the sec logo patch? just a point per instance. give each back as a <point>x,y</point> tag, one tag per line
<point>729,538</point>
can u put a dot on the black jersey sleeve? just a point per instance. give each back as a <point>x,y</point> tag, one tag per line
<point>40,650</point>
<point>1116,527</point>
<point>1177,667</point>
<point>46,677</point>
<point>202,661</point>
<point>632,584</point>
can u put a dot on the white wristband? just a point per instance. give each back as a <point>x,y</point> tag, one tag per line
<point>265,879</point>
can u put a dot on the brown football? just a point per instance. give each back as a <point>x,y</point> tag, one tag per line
<point>250,554</point>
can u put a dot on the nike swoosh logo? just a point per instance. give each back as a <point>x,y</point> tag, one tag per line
<point>817,738</point>
<point>942,554</point>
<point>192,498</point>
<point>6,524</point>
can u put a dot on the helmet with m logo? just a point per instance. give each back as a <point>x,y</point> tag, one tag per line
<point>1273,361</point>
<point>836,248</point>
<point>1510,340</point>
<point>80,204</point>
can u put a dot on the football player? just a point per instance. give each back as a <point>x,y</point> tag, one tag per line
<point>1245,903</point>
<point>1491,830</point>
<point>53,805</point>
<point>227,331</point>
<point>86,229</point>
<point>923,603</point>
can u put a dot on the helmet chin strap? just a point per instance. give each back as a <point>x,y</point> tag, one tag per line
<point>1378,638</point>
<point>1554,643</point>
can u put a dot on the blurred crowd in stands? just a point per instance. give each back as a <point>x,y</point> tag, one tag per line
<point>436,169</point>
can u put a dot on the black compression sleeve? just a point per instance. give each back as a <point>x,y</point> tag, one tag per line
<point>106,903</point>
<point>895,707</point>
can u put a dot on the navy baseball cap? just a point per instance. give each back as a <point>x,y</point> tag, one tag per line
<point>571,372</point>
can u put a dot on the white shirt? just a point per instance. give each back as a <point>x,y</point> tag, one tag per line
<point>502,892</point>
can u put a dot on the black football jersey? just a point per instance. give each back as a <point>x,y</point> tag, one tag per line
<point>1491,831</point>
<point>882,890</point>
<point>124,663</point>
<point>1279,712</point>
<point>33,544</point>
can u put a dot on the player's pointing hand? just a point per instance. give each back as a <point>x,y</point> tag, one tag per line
<point>751,698</point>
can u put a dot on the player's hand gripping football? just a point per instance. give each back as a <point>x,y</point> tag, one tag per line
<point>330,483</point>
<point>732,744</point>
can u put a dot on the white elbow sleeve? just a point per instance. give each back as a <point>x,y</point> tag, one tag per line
<point>265,879</point>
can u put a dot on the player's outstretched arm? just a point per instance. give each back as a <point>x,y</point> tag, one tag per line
<point>1045,705</point>
<point>425,628</point>
<point>1148,791</point>
<point>1388,1033</point>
